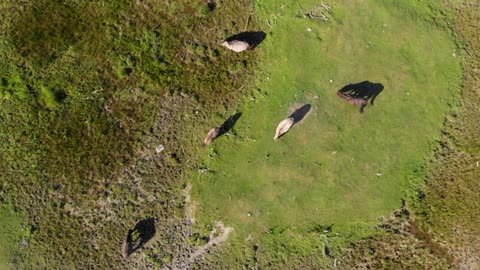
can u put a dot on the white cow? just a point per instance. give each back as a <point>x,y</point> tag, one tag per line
<point>283,127</point>
<point>236,45</point>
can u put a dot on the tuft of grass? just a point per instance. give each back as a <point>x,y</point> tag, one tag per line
<point>204,10</point>
<point>50,98</point>
<point>236,67</point>
<point>12,84</point>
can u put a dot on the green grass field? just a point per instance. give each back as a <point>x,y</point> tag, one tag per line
<point>338,167</point>
<point>88,89</point>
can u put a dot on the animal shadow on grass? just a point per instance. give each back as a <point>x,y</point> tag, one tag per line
<point>300,113</point>
<point>228,125</point>
<point>363,90</point>
<point>252,38</point>
<point>216,132</point>
<point>143,231</point>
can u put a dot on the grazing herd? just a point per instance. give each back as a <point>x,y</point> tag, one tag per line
<point>355,94</point>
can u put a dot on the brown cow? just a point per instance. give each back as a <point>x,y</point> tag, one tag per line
<point>212,135</point>
<point>353,100</point>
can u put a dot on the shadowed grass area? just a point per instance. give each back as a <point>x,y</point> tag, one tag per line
<point>338,167</point>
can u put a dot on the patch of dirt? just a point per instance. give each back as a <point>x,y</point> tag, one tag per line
<point>295,107</point>
<point>190,204</point>
<point>214,241</point>
<point>186,262</point>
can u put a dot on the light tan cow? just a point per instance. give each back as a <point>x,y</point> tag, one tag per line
<point>236,45</point>
<point>283,127</point>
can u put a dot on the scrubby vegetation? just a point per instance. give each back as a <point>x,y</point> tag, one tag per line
<point>88,90</point>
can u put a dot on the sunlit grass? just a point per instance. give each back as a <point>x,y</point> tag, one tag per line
<point>338,167</point>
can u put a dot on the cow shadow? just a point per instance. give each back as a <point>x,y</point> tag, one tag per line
<point>300,113</point>
<point>365,89</point>
<point>251,37</point>
<point>143,231</point>
<point>211,5</point>
<point>228,125</point>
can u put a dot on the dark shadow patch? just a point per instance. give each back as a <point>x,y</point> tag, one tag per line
<point>211,6</point>
<point>214,133</point>
<point>228,125</point>
<point>60,96</point>
<point>300,113</point>
<point>365,89</point>
<point>252,38</point>
<point>139,236</point>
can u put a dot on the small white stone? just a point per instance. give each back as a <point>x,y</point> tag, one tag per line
<point>159,148</point>
<point>249,214</point>
<point>331,81</point>
<point>309,29</point>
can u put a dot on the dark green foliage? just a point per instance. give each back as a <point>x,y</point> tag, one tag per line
<point>85,98</point>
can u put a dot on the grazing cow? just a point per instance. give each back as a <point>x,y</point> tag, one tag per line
<point>283,127</point>
<point>353,100</point>
<point>236,45</point>
<point>212,135</point>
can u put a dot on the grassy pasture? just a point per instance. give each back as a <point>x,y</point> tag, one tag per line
<point>84,87</point>
<point>338,167</point>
